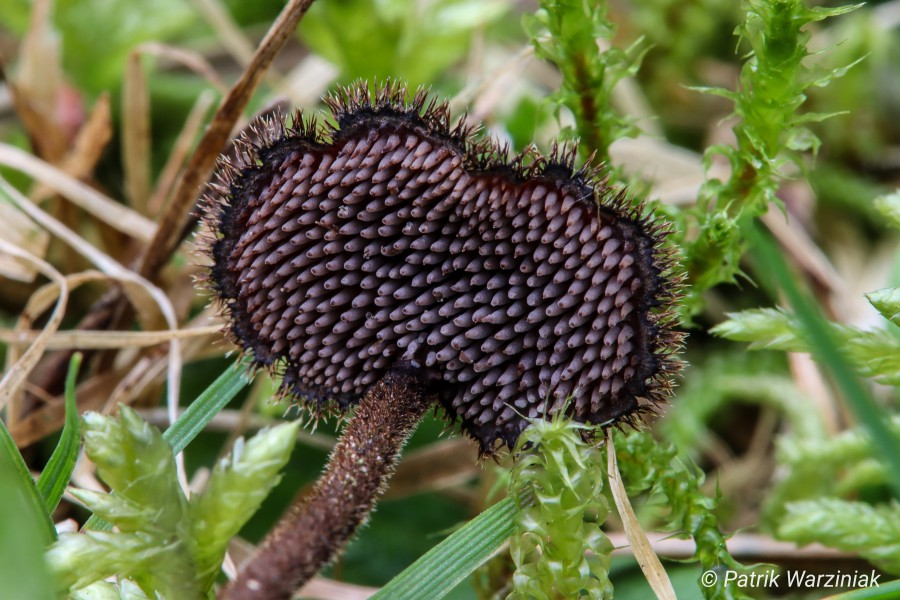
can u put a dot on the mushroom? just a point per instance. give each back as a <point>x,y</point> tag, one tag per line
<point>391,262</point>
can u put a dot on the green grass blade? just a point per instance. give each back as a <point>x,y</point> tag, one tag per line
<point>443,567</point>
<point>23,533</point>
<point>195,418</point>
<point>18,470</point>
<point>827,352</point>
<point>55,476</point>
<point>206,406</point>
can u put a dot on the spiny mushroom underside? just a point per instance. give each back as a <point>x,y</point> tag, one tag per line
<point>515,285</point>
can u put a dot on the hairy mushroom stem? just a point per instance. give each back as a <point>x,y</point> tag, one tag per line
<point>318,525</point>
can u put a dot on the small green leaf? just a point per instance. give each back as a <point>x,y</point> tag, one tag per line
<point>55,476</point>
<point>80,559</point>
<point>802,139</point>
<point>887,302</point>
<point>766,328</point>
<point>112,508</point>
<point>875,353</point>
<point>236,489</point>
<point>443,567</point>
<point>16,473</point>
<point>103,590</point>
<point>871,531</point>
<point>818,13</point>
<point>136,463</point>
<point>816,117</point>
<point>889,207</point>
<point>714,91</point>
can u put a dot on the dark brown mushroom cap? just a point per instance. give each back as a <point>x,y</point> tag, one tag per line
<point>392,237</point>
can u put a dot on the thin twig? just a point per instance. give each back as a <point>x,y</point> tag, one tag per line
<point>178,217</point>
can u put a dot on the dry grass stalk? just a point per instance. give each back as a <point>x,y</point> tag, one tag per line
<point>87,148</point>
<point>104,340</point>
<point>643,551</point>
<point>100,206</point>
<point>18,367</point>
<point>194,61</point>
<point>20,231</point>
<point>35,90</point>
<point>229,33</point>
<point>183,144</point>
<point>136,133</point>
